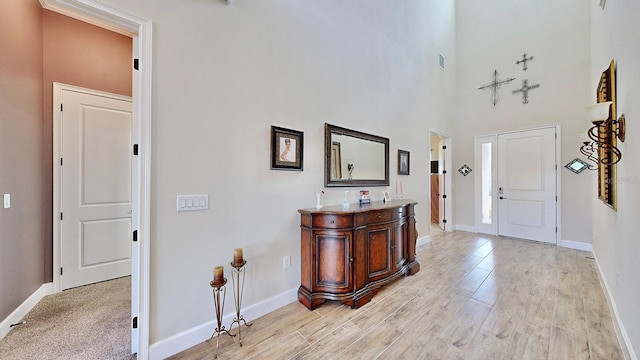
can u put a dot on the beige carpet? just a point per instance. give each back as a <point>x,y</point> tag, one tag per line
<point>89,322</point>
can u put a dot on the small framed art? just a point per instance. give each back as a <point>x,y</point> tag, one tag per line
<point>286,149</point>
<point>403,162</point>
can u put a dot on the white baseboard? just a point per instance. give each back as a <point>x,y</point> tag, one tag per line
<point>22,310</point>
<point>196,335</point>
<point>621,332</point>
<point>423,241</point>
<point>466,228</point>
<point>575,245</point>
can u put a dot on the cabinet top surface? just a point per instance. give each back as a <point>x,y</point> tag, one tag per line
<point>357,208</point>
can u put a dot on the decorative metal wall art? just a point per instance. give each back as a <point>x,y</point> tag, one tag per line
<point>494,85</point>
<point>525,90</point>
<point>464,170</point>
<point>524,61</point>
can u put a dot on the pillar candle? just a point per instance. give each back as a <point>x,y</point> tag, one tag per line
<point>218,274</point>
<point>237,256</point>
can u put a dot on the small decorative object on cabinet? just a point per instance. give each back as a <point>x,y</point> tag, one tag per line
<point>347,255</point>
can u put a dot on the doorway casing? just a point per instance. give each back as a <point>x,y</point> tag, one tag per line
<point>140,30</point>
<point>447,184</point>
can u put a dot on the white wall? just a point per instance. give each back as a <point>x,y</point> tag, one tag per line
<point>223,74</point>
<point>615,233</point>
<point>493,36</point>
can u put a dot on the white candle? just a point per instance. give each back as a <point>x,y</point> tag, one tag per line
<point>218,274</point>
<point>237,256</point>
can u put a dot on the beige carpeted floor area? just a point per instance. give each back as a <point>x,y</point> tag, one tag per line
<point>88,322</point>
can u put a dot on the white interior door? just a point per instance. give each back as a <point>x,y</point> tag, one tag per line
<point>95,227</point>
<point>527,184</point>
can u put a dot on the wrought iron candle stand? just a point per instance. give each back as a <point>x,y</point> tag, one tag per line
<point>219,289</point>
<point>237,277</point>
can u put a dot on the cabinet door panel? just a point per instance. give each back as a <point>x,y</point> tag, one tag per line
<point>399,246</point>
<point>332,262</point>
<point>378,252</point>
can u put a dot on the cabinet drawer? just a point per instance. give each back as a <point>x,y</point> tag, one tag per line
<point>373,217</point>
<point>329,221</point>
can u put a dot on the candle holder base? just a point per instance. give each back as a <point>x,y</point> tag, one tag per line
<point>219,290</point>
<point>237,277</point>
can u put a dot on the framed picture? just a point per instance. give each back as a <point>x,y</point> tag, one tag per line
<point>403,162</point>
<point>286,149</point>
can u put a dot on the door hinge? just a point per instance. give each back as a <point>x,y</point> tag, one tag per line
<point>135,322</point>
<point>60,106</point>
<point>556,229</point>
<point>444,171</point>
<point>135,149</point>
<point>60,271</point>
<point>61,217</point>
<point>60,161</point>
<point>444,147</point>
<point>135,64</point>
<point>135,235</point>
<point>444,221</point>
<point>444,196</point>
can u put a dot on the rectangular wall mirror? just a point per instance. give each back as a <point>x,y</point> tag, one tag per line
<point>354,158</point>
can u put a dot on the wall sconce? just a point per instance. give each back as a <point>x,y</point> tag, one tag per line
<point>603,129</point>
<point>590,150</point>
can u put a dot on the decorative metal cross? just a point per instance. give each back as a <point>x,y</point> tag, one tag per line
<point>524,61</point>
<point>525,90</point>
<point>495,85</point>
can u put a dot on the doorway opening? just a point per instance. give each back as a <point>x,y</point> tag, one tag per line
<point>140,31</point>
<point>440,209</point>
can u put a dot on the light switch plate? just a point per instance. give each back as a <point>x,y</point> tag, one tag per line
<point>7,201</point>
<point>192,202</point>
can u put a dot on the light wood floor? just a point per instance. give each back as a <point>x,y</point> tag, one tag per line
<point>475,297</point>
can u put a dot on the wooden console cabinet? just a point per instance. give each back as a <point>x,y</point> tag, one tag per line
<point>347,255</point>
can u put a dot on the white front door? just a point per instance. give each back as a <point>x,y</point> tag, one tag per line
<point>527,184</point>
<point>96,151</point>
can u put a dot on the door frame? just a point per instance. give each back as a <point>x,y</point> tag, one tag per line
<point>141,31</point>
<point>494,170</point>
<point>448,181</point>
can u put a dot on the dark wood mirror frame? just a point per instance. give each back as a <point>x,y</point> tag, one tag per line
<point>328,181</point>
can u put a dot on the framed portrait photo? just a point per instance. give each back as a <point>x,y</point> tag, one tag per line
<point>286,149</point>
<point>403,162</point>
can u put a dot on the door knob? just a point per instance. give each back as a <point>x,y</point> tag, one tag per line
<point>502,198</point>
